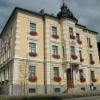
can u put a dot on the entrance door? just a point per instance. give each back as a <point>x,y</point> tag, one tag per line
<point>69,78</point>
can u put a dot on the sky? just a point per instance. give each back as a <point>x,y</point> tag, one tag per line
<point>86,11</point>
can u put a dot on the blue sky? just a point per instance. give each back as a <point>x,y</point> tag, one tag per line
<point>87,11</point>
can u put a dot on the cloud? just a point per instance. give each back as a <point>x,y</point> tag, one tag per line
<point>87,11</point>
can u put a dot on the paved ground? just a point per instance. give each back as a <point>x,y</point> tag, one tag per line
<point>86,98</point>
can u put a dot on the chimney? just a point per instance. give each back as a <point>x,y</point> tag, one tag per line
<point>42,11</point>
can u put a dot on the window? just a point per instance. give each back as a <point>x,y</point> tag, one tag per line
<point>57,90</point>
<point>32,90</point>
<point>4,75</point>
<point>32,70</point>
<point>81,73</point>
<point>56,71</point>
<point>54,30</point>
<point>80,53</point>
<point>90,57</point>
<point>92,75</point>
<point>32,47</point>
<point>33,27</point>
<point>72,50</point>
<point>77,36</point>
<point>55,49</point>
<point>88,40</point>
<point>71,30</point>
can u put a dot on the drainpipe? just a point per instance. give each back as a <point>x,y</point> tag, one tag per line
<point>45,83</point>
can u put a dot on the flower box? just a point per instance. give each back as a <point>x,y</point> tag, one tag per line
<point>72,37</point>
<point>55,36</point>
<point>74,57</point>
<point>92,62</point>
<point>90,46</point>
<point>56,56</point>
<point>32,78</point>
<point>7,80</point>
<point>81,59</point>
<point>94,80</point>
<point>82,79</point>
<point>33,33</point>
<point>57,78</point>
<point>33,54</point>
<point>79,41</point>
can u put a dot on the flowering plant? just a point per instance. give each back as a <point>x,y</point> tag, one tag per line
<point>94,80</point>
<point>79,41</point>
<point>90,46</point>
<point>74,57</point>
<point>72,37</point>
<point>32,78</point>
<point>81,59</point>
<point>82,79</point>
<point>56,56</point>
<point>33,54</point>
<point>57,78</point>
<point>92,62</point>
<point>55,36</point>
<point>33,33</point>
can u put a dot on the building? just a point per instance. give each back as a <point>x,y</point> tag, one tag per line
<point>47,54</point>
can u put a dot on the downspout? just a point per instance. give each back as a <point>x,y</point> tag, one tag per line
<point>45,83</point>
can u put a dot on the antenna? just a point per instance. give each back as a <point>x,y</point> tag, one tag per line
<point>63,1</point>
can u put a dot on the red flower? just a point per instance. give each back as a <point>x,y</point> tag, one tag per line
<point>57,78</point>
<point>81,59</point>
<point>82,79</point>
<point>92,62</point>
<point>90,46</point>
<point>33,54</point>
<point>79,41</point>
<point>56,56</point>
<point>33,33</point>
<point>55,36</point>
<point>74,57</point>
<point>32,78</point>
<point>94,80</point>
<point>72,36</point>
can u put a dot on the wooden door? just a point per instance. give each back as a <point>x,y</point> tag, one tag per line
<point>69,78</point>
